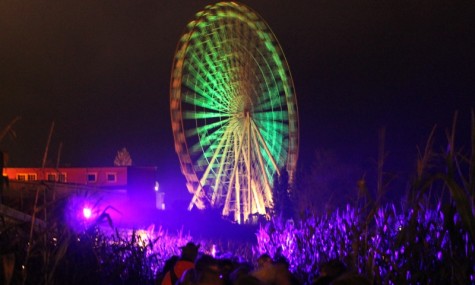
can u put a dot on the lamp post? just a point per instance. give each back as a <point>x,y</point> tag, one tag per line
<point>159,197</point>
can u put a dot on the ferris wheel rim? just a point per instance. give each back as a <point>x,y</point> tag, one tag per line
<point>181,144</point>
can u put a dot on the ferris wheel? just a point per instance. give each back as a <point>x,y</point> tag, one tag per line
<point>233,111</point>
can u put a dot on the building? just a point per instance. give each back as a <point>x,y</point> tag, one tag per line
<point>107,177</point>
<point>138,183</point>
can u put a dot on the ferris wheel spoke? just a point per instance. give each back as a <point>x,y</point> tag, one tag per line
<point>203,72</point>
<point>275,147</point>
<point>234,187</point>
<point>271,116</point>
<point>258,204</point>
<point>271,131</point>
<point>247,161</point>
<point>208,145</point>
<point>202,115</point>
<point>258,173</point>
<point>270,123</point>
<point>237,182</point>
<point>203,94</point>
<point>272,86</point>
<point>273,141</point>
<point>206,128</point>
<point>229,194</point>
<point>229,67</point>
<point>207,140</point>
<point>270,102</point>
<point>210,65</point>
<point>210,82</point>
<point>203,102</point>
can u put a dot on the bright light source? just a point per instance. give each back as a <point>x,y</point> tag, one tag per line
<point>143,237</point>
<point>157,186</point>
<point>87,212</point>
<point>213,250</point>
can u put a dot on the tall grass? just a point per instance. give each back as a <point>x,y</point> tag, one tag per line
<point>427,238</point>
<point>93,252</point>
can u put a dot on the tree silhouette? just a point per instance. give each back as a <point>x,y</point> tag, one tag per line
<point>8,130</point>
<point>330,183</point>
<point>282,194</point>
<point>123,158</point>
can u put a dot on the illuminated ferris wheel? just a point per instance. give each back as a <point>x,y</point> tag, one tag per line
<point>233,111</point>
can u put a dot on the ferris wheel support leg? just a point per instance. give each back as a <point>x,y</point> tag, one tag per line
<point>234,181</point>
<point>241,206</point>
<point>220,171</point>
<point>265,147</point>
<point>237,186</point>
<point>252,196</point>
<point>267,188</point>
<point>206,173</point>
<point>228,195</point>
<point>249,170</point>
<point>237,204</point>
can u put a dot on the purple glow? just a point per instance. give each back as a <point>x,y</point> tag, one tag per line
<point>87,212</point>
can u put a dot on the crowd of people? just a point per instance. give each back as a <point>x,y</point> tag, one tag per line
<point>193,268</point>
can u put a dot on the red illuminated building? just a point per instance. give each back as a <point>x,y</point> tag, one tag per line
<point>139,183</point>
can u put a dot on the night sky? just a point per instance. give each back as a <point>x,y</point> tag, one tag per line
<point>101,71</point>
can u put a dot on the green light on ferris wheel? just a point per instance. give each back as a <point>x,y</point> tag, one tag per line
<point>234,110</point>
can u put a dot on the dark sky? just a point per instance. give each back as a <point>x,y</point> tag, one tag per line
<point>101,71</point>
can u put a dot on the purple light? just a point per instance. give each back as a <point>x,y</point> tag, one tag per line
<point>87,212</point>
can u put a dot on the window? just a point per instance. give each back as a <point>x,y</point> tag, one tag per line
<point>21,177</point>
<point>91,177</point>
<point>51,177</point>
<point>31,176</point>
<point>62,177</point>
<point>111,177</point>
<point>26,177</point>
